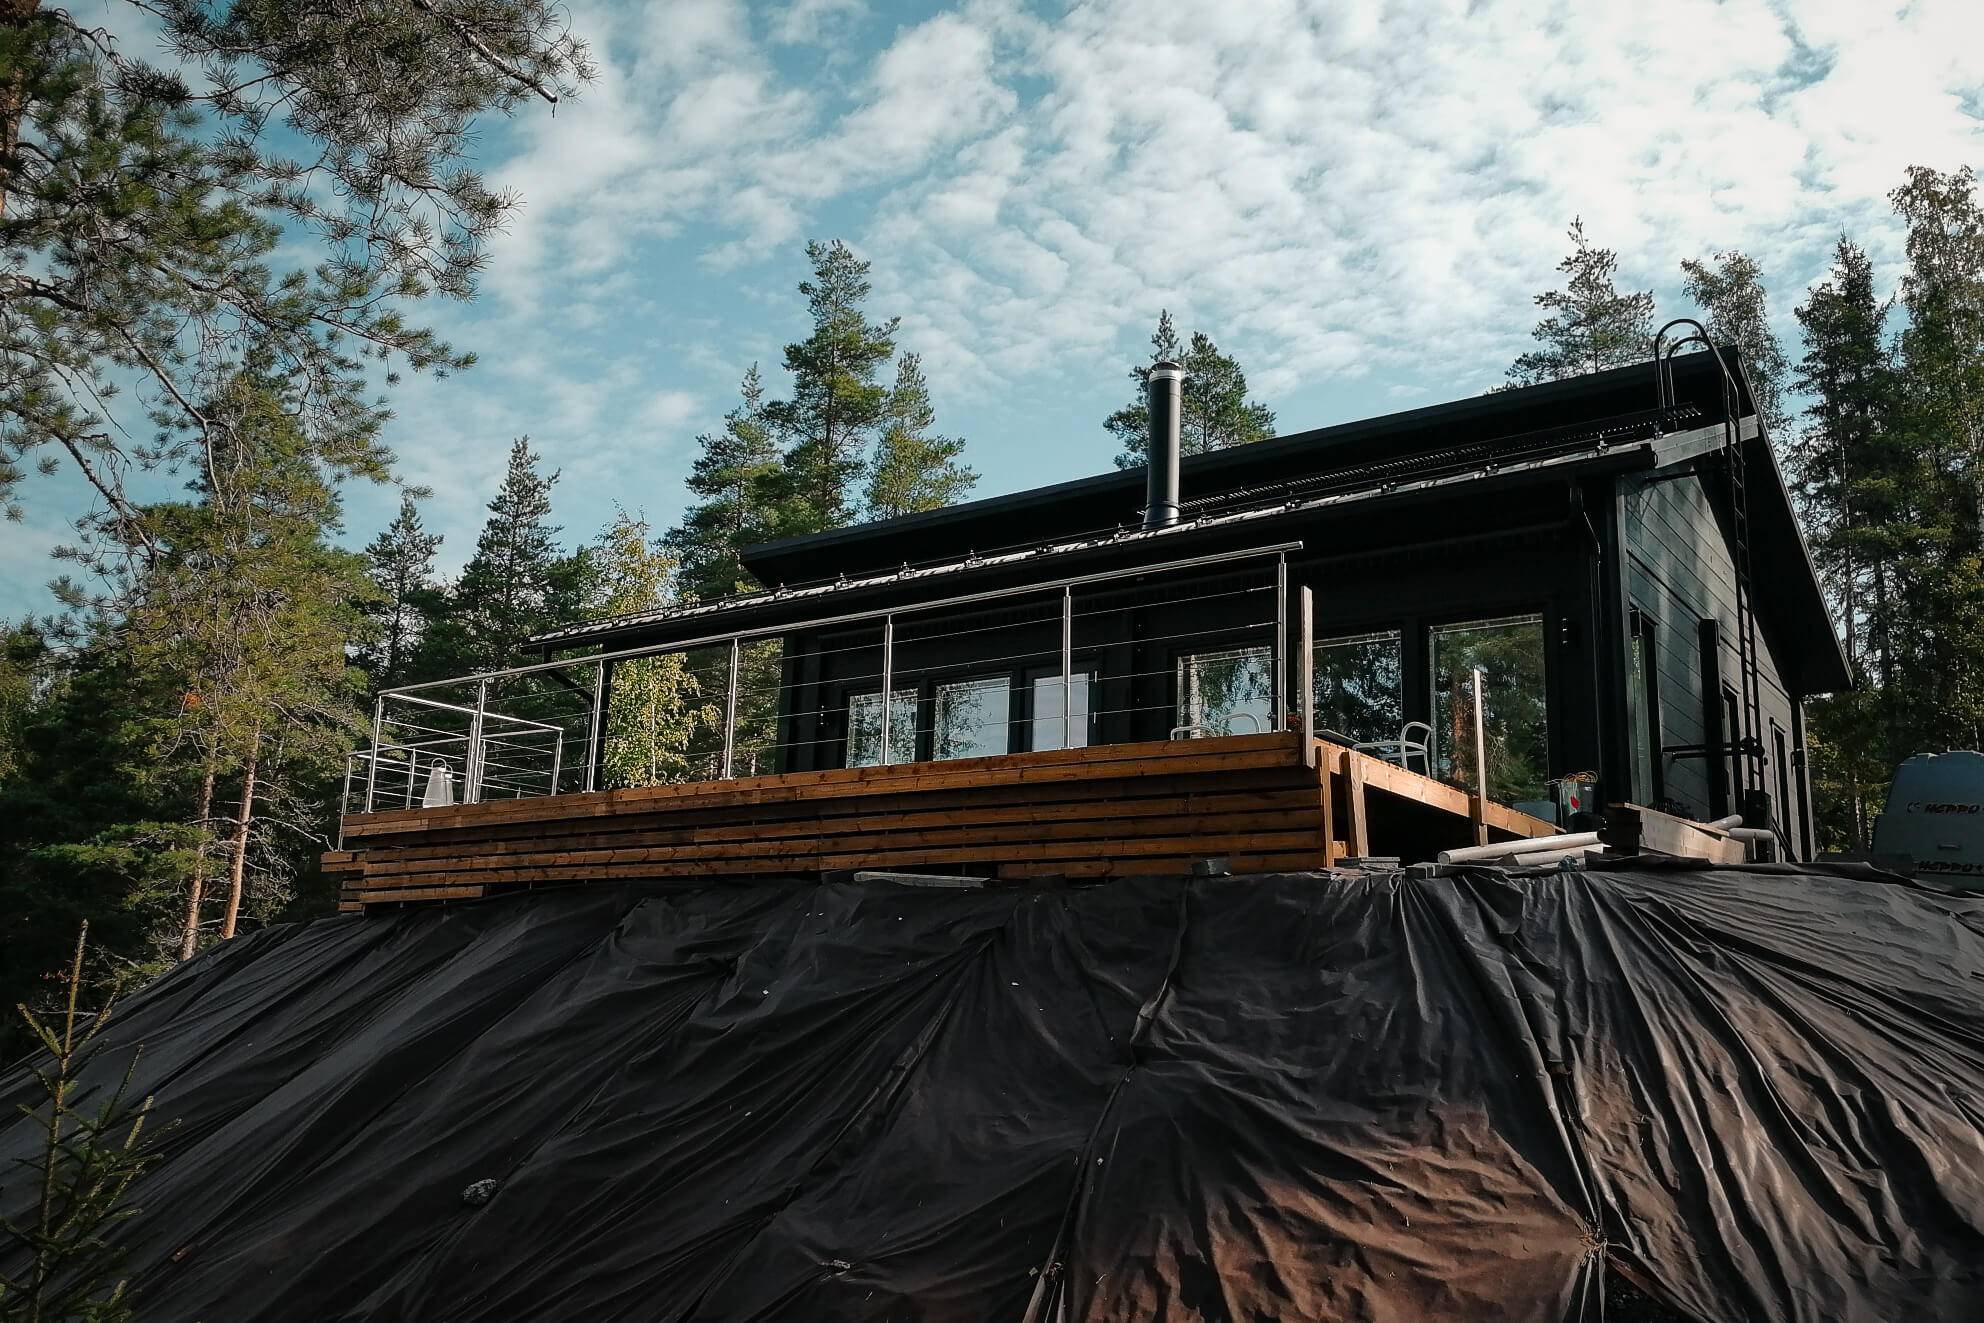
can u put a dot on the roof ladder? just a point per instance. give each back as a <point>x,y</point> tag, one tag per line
<point>1748,742</point>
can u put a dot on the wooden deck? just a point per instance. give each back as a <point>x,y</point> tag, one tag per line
<point>1109,810</point>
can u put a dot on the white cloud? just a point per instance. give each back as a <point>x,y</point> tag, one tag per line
<point>1340,193</point>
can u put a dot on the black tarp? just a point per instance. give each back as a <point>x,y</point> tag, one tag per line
<point>1757,1092</point>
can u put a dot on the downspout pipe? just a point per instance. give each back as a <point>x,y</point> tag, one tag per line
<point>1166,397</point>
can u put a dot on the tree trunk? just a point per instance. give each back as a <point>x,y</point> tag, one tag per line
<point>14,14</point>
<point>237,866</point>
<point>189,932</point>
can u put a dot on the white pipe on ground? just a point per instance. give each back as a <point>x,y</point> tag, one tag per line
<point>1545,858</point>
<point>1533,845</point>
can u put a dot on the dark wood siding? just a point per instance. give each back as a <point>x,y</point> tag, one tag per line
<point>1678,573</point>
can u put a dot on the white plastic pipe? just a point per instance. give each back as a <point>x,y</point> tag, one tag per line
<point>1724,824</point>
<point>1544,858</point>
<point>1533,845</point>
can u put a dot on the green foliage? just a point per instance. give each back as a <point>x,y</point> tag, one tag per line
<point>89,1157</point>
<point>829,424</point>
<point>141,206</point>
<point>1216,413</point>
<point>913,469</point>
<point>517,584</point>
<point>1891,471</point>
<point>1591,326</point>
<point>1730,292</point>
<point>401,563</point>
<point>655,711</point>
<point>736,475</point>
<point>92,828</point>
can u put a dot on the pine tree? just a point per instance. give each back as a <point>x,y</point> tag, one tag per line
<point>655,711</point>
<point>1215,415</point>
<point>142,205</point>
<point>1730,292</point>
<point>734,476</point>
<point>1592,325</point>
<point>829,424</point>
<point>248,613</point>
<point>914,470</point>
<point>402,564</point>
<point>511,588</point>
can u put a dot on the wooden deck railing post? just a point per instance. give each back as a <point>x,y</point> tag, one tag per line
<point>1357,828</point>
<point>1477,814</point>
<point>1305,674</point>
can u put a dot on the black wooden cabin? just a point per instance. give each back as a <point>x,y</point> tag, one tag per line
<point>1622,563</point>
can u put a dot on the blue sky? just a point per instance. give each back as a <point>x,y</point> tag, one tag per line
<point>1358,200</point>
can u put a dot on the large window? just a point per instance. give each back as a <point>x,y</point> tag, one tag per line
<point>1053,726</point>
<point>1227,693</point>
<point>1360,686</point>
<point>1509,653</point>
<point>973,718</point>
<point>864,728</point>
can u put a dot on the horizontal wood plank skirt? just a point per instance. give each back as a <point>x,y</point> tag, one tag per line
<point>1106,811</point>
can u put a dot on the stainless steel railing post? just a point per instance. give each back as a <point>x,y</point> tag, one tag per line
<point>592,736</point>
<point>378,737</point>
<point>1281,641</point>
<point>730,710</point>
<point>1068,668</point>
<point>888,681</point>
<point>472,768</point>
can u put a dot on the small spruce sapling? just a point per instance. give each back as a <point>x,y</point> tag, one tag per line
<point>70,1266</point>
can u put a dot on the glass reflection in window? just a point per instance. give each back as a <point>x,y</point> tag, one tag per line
<point>864,728</point>
<point>1509,652</point>
<point>1360,686</point>
<point>1226,693</point>
<point>972,718</point>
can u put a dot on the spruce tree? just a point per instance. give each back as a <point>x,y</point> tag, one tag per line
<point>401,559</point>
<point>829,424</point>
<point>1850,471</point>
<point>1592,326</point>
<point>1854,474</point>
<point>1729,290</point>
<point>1216,413</point>
<point>734,475</point>
<point>513,587</point>
<point>913,469</point>
<point>1941,417</point>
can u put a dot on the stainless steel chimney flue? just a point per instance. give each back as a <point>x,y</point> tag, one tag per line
<point>1166,400</point>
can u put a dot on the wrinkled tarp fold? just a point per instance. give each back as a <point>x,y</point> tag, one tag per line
<point>1757,1092</point>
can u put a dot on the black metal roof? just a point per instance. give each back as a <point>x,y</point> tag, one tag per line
<point>1256,490</point>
